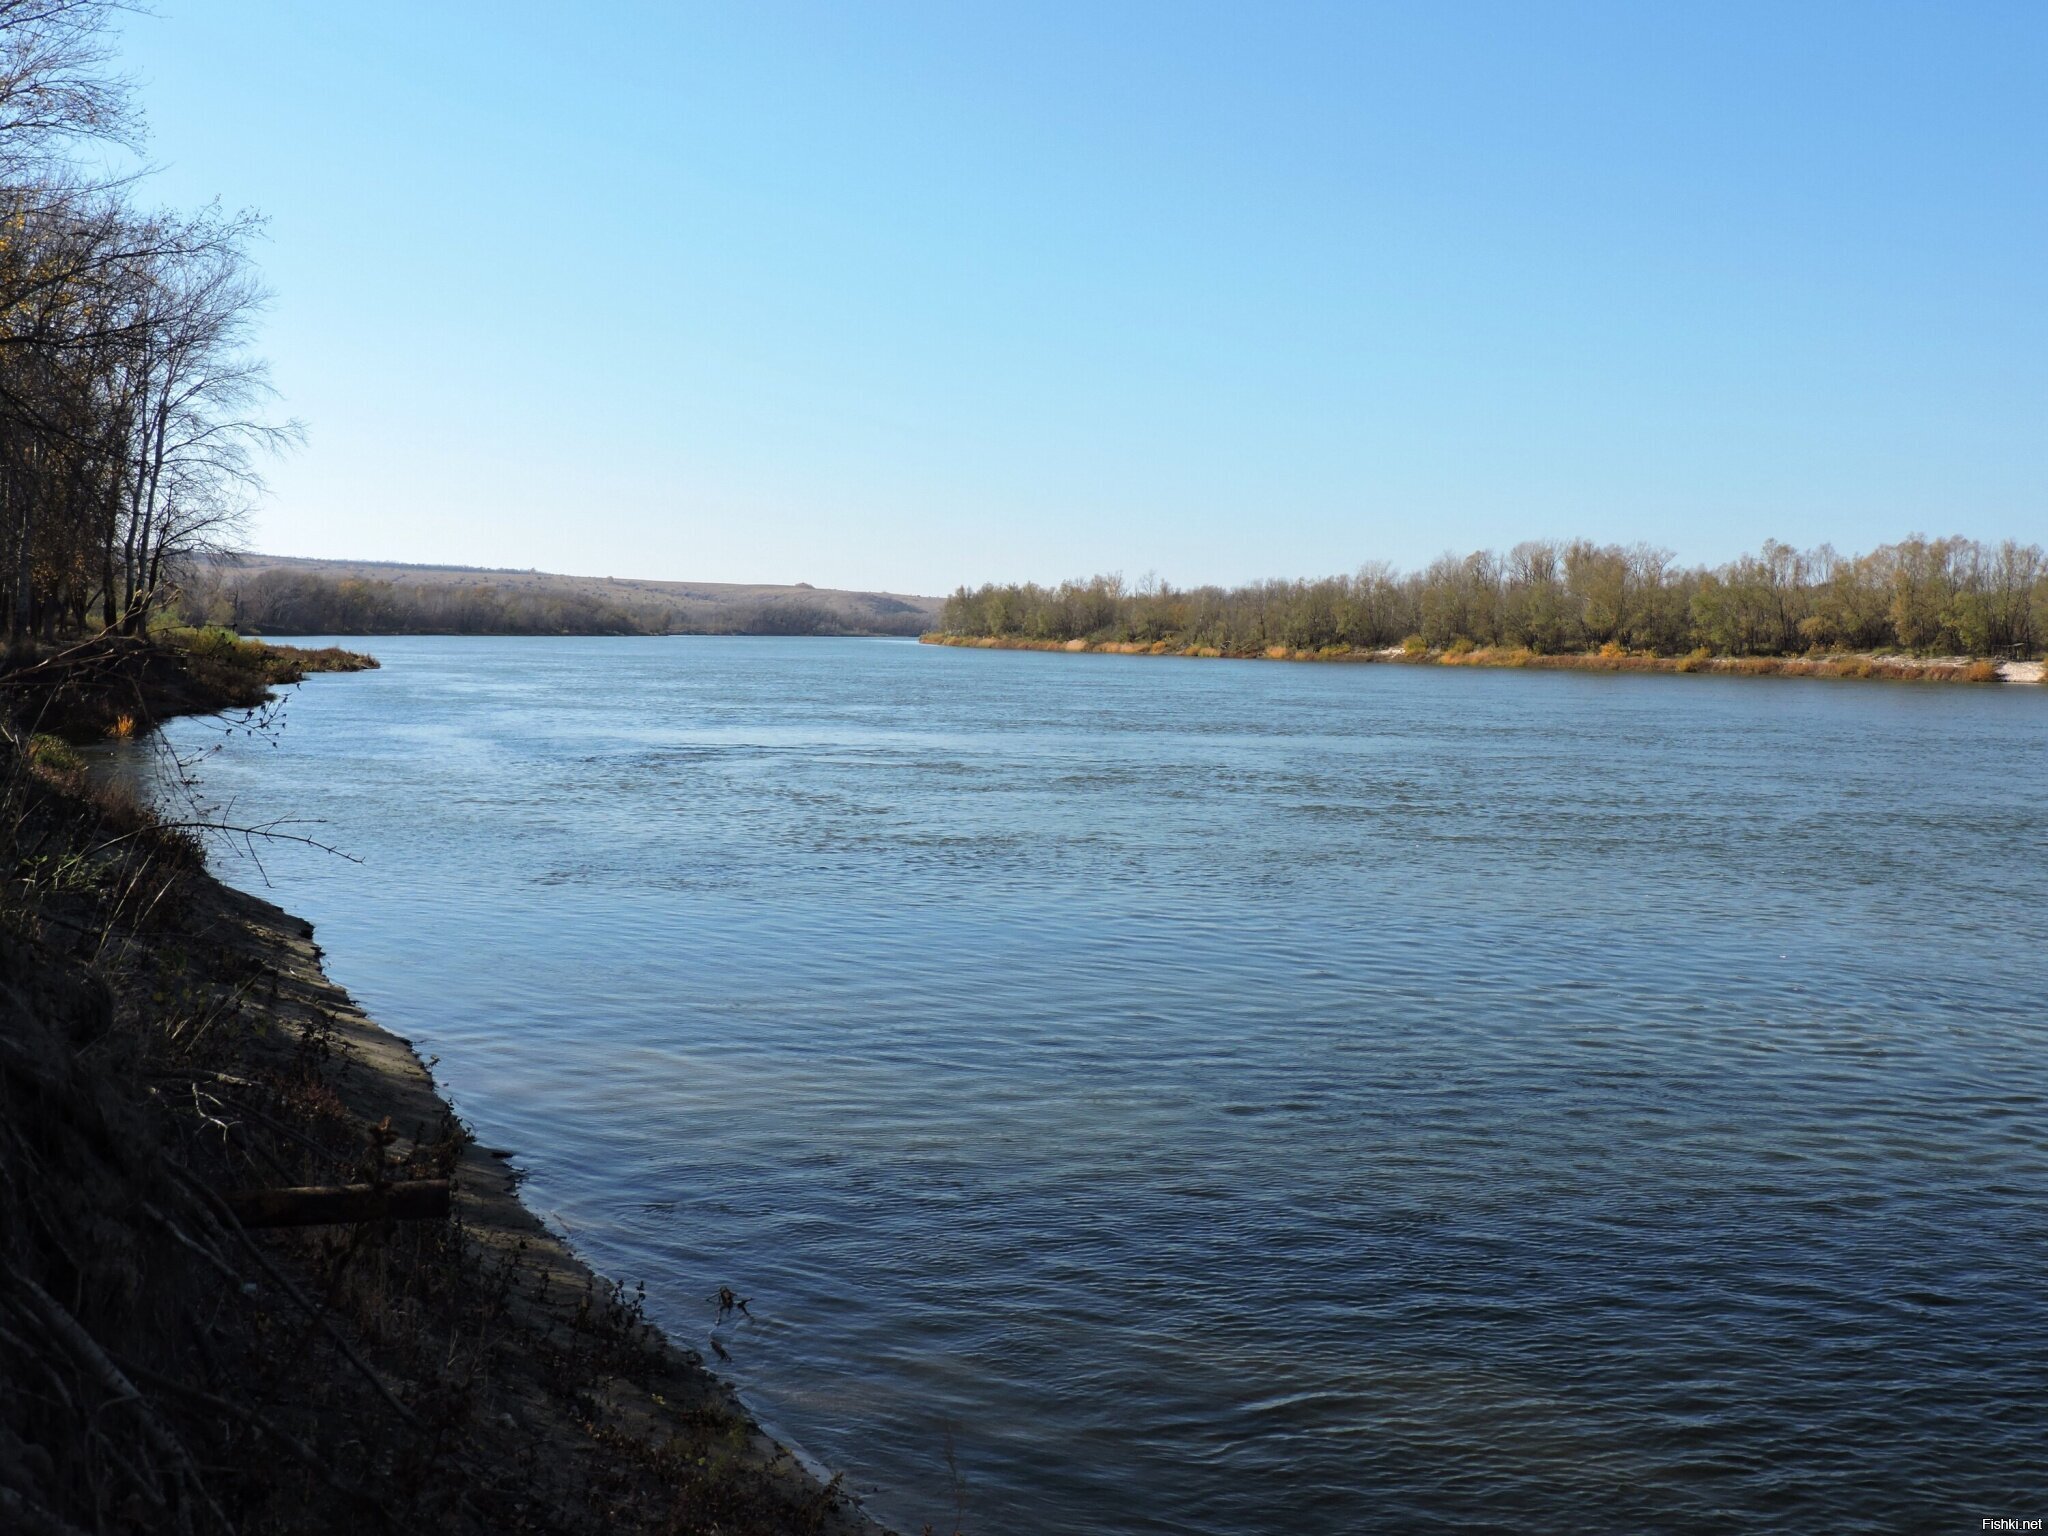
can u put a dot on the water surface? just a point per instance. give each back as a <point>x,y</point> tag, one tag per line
<point>1165,1096</point>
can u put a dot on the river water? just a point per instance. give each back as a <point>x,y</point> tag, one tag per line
<point>1170,1096</point>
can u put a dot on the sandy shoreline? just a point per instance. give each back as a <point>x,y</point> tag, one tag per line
<point>670,1394</point>
<point>1896,668</point>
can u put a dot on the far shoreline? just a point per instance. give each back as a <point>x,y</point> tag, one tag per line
<point>1841,665</point>
<point>292,635</point>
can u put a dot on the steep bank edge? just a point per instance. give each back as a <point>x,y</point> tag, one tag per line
<point>387,1078</point>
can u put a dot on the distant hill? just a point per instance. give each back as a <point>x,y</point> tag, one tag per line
<point>285,594</point>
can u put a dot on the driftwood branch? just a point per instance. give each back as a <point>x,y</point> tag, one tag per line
<point>322,1204</point>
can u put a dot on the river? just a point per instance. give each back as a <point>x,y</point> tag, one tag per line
<point>1165,1095</point>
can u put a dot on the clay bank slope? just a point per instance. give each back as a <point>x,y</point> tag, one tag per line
<point>172,1059</point>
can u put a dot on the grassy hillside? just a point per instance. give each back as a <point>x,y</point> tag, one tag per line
<point>278,594</point>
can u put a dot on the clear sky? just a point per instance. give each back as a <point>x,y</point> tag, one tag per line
<point>904,295</point>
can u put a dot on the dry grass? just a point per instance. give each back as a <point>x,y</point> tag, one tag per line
<point>232,662</point>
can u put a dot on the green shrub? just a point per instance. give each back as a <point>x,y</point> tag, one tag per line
<point>53,754</point>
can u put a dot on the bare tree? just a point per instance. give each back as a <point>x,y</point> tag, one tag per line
<point>196,392</point>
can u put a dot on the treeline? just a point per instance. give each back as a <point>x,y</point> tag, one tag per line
<point>130,407</point>
<point>286,602</point>
<point>1929,596</point>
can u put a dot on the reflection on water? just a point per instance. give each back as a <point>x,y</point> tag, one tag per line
<point>1239,1097</point>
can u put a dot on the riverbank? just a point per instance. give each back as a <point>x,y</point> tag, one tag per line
<point>615,1421</point>
<point>166,1042</point>
<point>1932,669</point>
<point>122,685</point>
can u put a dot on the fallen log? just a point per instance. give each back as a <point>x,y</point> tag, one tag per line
<point>323,1204</point>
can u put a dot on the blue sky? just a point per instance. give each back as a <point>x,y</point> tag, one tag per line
<point>905,295</point>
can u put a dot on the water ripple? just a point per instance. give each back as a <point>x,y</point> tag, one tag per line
<point>1246,1098</point>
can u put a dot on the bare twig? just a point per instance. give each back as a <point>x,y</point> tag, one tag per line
<point>88,1353</point>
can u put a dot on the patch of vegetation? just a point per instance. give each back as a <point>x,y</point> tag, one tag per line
<point>1917,598</point>
<point>53,755</point>
<point>116,685</point>
<point>215,650</point>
